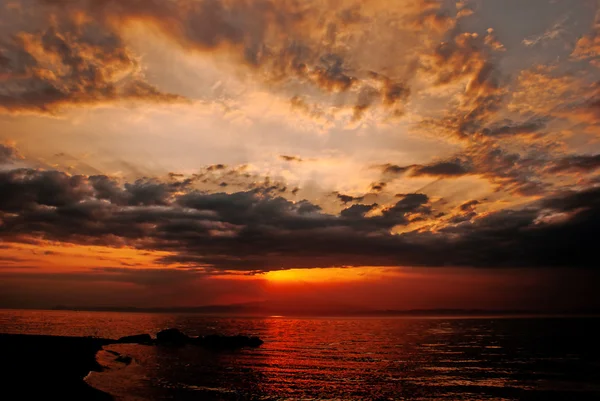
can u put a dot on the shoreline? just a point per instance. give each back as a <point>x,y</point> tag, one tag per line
<point>44,366</point>
<point>51,367</point>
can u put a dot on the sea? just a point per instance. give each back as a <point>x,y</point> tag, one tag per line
<point>484,358</point>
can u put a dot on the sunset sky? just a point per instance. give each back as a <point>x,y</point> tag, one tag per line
<point>309,155</point>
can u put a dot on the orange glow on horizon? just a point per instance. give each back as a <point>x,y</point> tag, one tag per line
<point>331,274</point>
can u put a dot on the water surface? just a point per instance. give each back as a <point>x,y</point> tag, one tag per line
<point>341,358</point>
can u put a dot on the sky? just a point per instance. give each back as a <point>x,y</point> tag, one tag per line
<point>311,155</point>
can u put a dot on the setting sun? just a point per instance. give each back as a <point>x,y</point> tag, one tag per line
<point>331,274</point>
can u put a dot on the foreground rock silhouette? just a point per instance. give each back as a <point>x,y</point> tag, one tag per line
<point>136,339</point>
<point>53,367</point>
<point>175,338</point>
<point>172,337</point>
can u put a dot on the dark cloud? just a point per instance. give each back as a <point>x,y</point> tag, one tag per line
<point>410,203</point>
<point>378,186</point>
<point>331,74</point>
<point>291,158</point>
<point>247,231</point>
<point>254,231</point>
<point>357,211</point>
<point>556,232</point>
<point>24,188</point>
<point>347,198</point>
<point>393,169</point>
<point>451,168</point>
<point>442,169</point>
<point>467,206</point>
<point>576,164</point>
<point>394,92</point>
<point>216,167</point>
<point>142,192</point>
<point>508,128</point>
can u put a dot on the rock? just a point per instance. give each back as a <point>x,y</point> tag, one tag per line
<point>172,337</point>
<point>255,341</point>
<point>136,339</point>
<point>228,342</point>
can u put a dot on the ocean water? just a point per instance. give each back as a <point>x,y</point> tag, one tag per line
<point>340,358</point>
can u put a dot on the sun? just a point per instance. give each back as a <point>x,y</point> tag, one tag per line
<point>330,274</point>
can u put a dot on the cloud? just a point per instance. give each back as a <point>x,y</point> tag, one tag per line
<point>509,171</point>
<point>509,128</point>
<point>468,206</point>
<point>347,198</point>
<point>588,46</point>
<point>291,158</point>
<point>394,169</point>
<point>253,232</point>
<point>8,154</point>
<point>547,91</point>
<point>442,169</point>
<point>449,168</point>
<point>576,164</point>
<point>378,186</point>
<point>466,60</point>
<point>323,47</point>
<point>327,58</point>
<point>492,41</point>
<point>557,31</point>
<point>70,63</point>
<point>214,232</point>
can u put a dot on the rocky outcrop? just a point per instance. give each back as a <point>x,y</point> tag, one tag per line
<point>144,339</point>
<point>228,342</point>
<point>174,337</point>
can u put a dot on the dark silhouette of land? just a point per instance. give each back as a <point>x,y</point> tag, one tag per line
<point>48,367</point>
<point>53,367</point>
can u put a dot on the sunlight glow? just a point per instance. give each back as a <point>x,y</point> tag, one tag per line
<point>332,274</point>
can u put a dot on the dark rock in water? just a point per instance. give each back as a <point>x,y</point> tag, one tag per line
<point>172,337</point>
<point>175,337</point>
<point>137,339</point>
<point>255,342</point>
<point>228,342</point>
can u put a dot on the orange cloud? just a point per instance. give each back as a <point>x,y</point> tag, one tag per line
<point>69,64</point>
<point>588,46</point>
